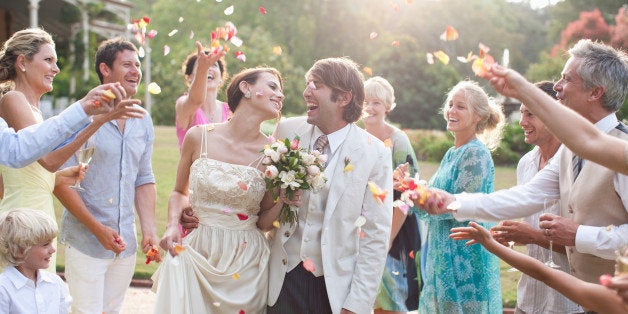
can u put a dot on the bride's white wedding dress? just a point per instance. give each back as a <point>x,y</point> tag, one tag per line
<point>223,268</point>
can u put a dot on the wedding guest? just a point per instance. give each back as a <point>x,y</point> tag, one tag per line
<point>98,224</point>
<point>400,286</point>
<point>26,237</point>
<point>592,296</point>
<point>460,278</point>
<point>31,53</point>
<point>534,296</point>
<point>204,74</point>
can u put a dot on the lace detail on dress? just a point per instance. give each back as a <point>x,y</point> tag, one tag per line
<point>227,195</point>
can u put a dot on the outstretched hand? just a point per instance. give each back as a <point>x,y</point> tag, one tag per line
<point>206,59</point>
<point>474,233</point>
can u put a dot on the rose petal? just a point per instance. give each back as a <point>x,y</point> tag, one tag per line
<point>442,57</point>
<point>242,216</point>
<point>166,50</point>
<point>360,221</point>
<point>262,10</point>
<point>235,276</point>
<point>309,265</point>
<point>373,35</point>
<point>277,50</point>
<point>243,185</point>
<point>172,32</point>
<point>153,88</point>
<point>368,71</point>
<point>449,34</point>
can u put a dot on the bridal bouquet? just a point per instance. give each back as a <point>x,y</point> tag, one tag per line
<point>292,168</point>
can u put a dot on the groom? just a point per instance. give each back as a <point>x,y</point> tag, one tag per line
<point>331,262</point>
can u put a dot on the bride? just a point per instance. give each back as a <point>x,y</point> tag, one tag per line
<point>222,266</point>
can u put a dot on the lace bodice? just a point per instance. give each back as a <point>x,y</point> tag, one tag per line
<point>224,194</point>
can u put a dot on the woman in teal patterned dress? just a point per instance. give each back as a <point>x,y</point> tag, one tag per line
<point>459,278</point>
<point>400,286</point>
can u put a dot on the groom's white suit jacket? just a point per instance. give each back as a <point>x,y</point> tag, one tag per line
<point>352,263</point>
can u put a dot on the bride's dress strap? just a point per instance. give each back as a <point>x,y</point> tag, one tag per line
<point>206,128</point>
<point>256,162</point>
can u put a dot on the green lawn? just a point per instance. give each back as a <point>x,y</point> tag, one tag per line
<point>165,158</point>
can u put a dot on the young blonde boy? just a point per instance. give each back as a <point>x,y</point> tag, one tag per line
<point>26,238</point>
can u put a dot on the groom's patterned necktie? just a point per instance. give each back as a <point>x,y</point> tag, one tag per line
<point>322,145</point>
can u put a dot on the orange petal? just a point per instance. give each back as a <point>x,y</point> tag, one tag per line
<point>449,34</point>
<point>178,248</point>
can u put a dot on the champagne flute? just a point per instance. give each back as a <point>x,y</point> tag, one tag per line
<point>548,205</point>
<point>622,261</point>
<point>511,245</point>
<point>84,156</point>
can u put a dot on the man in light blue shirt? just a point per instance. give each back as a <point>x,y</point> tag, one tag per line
<point>18,149</point>
<point>98,224</point>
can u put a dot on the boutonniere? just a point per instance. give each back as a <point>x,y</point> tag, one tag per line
<point>348,165</point>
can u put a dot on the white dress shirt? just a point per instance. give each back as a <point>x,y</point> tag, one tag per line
<point>525,200</point>
<point>20,295</point>
<point>535,296</point>
<point>31,143</point>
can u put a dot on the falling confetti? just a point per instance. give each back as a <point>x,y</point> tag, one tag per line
<point>395,44</point>
<point>359,222</point>
<point>236,41</point>
<point>235,276</point>
<point>151,34</point>
<point>173,32</point>
<point>141,52</point>
<point>229,10</point>
<point>240,56</point>
<point>180,19</point>
<point>277,50</point>
<point>153,88</point>
<point>411,254</point>
<point>395,273</point>
<point>481,65</point>
<point>348,168</point>
<point>368,71</point>
<point>430,58</point>
<point>373,35</point>
<point>216,304</point>
<point>276,224</point>
<point>166,50</point>
<point>449,34</point>
<point>379,195</point>
<point>191,34</point>
<point>442,57</point>
<point>262,10</point>
<point>242,216</point>
<point>178,248</point>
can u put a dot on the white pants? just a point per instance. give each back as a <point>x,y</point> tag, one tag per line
<point>97,285</point>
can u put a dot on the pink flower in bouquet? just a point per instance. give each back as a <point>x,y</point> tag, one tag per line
<point>271,172</point>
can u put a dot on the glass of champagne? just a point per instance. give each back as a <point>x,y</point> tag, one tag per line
<point>622,261</point>
<point>511,245</point>
<point>84,156</point>
<point>548,206</point>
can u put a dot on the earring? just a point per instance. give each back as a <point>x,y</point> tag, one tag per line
<point>247,94</point>
<point>23,69</point>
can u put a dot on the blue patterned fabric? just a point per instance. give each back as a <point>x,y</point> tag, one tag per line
<point>459,278</point>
